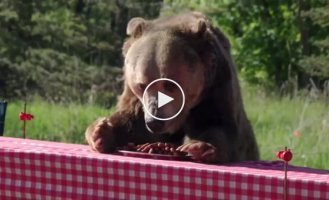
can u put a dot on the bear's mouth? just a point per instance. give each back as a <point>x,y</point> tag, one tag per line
<point>163,127</point>
<point>155,126</point>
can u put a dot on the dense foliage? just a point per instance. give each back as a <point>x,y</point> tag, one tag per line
<point>279,44</point>
<point>68,50</point>
<point>316,61</point>
<point>64,50</point>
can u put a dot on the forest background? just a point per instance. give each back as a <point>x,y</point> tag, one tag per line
<point>64,58</point>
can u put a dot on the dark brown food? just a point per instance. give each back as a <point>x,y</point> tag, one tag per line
<point>155,148</point>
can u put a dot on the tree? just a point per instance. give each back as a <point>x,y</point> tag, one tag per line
<point>270,38</point>
<point>65,50</point>
<point>315,61</point>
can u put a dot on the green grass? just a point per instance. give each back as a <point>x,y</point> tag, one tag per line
<point>274,120</point>
<point>65,123</point>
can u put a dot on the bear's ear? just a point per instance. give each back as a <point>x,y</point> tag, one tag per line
<point>136,27</point>
<point>196,28</point>
<point>199,27</point>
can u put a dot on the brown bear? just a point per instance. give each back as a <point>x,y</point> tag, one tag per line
<point>186,48</point>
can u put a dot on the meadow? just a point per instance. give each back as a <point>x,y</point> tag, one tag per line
<point>301,123</point>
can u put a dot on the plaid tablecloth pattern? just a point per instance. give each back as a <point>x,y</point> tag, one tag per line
<point>31,169</point>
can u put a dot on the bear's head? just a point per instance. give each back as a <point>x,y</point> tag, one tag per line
<point>181,48</point>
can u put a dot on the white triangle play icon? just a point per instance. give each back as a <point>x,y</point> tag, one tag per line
<point>163,99</point>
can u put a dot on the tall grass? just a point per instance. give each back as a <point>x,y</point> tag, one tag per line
<point>299,123</point>
<point>55,122</point>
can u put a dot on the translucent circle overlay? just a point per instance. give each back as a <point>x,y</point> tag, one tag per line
<point>159,118</point>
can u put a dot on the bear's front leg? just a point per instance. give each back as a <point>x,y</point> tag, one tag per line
<point>108,133</point>
<point>210,146</point>
<point>200,151</point>
<point>121,128</point>
<point>100,136</point>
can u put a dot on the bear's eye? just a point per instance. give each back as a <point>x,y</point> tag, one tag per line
<point>169,86</point>
<point>141,87</point>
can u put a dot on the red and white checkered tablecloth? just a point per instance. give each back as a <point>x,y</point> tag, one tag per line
<point>32,169</point>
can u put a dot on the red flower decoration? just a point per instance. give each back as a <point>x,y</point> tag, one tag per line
<point>285,155</point>
<point>25,116</point>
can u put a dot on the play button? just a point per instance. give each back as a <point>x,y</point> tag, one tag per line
<point>163,99</point>
<point>162,103</point>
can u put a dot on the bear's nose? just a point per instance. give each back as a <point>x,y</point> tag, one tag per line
<point>155,126</point>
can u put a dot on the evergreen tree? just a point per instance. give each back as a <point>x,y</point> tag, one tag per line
<point>316,62</point>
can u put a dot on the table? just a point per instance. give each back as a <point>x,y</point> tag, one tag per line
<point>32,169</point>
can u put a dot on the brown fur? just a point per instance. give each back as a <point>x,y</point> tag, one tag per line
<point>213,125</point>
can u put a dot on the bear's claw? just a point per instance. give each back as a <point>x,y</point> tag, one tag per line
<point>200,151</point>
<point>99,135</point>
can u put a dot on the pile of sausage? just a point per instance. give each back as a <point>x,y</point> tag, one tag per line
<point>155,148</point>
